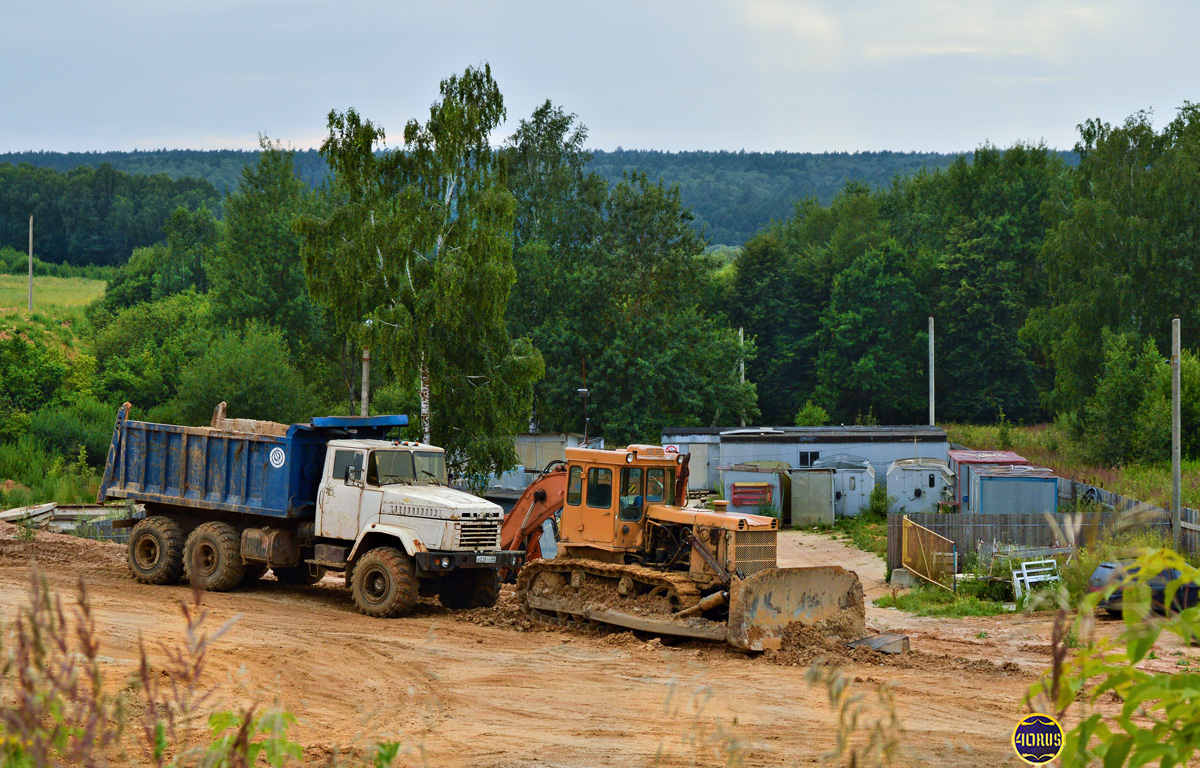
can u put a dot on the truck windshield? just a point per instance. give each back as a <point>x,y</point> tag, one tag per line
<point>431,467</point>
<point>388,467</point>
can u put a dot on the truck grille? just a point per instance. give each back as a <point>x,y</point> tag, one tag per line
<point>479,534</point>
<point>754,551</point>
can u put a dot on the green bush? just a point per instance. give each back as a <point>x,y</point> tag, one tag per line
<point>877,504</point>
<point>812,415</point>
<point>31,375</point>
<point>39,475</point>
<point>252,372</point>
<point>84,423</point>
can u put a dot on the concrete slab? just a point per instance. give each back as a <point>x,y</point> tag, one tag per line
<point>903,578</point>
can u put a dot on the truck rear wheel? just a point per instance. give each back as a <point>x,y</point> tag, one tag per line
<point>470,588</point>
<point>384,583</point>
<point>155,550</point>
<point>213,557</point>
<point>304,574</point>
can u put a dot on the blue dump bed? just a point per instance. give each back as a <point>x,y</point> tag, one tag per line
<point>227,471</point>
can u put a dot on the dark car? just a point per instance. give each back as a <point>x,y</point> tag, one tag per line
<point>1186,596</point>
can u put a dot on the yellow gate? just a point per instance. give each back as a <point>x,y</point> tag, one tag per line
<point>929,555</point>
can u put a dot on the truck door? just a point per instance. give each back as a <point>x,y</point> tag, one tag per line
<point>339,501</point>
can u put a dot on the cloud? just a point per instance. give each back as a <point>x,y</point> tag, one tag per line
<point>675,74</point>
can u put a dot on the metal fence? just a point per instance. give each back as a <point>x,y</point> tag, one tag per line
<point>927,554</point>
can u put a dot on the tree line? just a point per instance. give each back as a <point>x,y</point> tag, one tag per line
<point>91,216</point>
<point>731,194</point>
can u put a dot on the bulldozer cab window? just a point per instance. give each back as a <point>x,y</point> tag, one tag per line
<point>631,494</point>
<point>660,486</point>
<point>575,486</point>
<point>599,493</point>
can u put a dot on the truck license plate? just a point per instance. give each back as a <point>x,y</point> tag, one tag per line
<point>485,558</point>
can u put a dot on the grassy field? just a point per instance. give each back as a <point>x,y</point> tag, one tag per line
<point>1047,446</point>
<point>58,304</point>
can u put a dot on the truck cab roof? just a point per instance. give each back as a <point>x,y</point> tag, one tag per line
<point>371,445</point>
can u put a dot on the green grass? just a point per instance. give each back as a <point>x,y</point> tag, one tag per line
<point>867,532</point>
<point>933,601</point>
<point>1046,445</point>
<point>58,308</point>
<point>50,294</point>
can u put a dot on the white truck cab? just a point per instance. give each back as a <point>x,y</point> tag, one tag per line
<point>395,494</point>
<point>371,485</point>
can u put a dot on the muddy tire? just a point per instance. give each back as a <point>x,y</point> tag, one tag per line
<point>213,557</point>
<point>155,550</point>
<point>384,583</point>
<point>303,574</point>
<point>470,588</point>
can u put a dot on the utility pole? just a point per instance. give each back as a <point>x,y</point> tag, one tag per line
<point>366,380</point>
<point>742,369</point>
<point>31,262</point>
<point>932,421</point>
<point>1176,437</point>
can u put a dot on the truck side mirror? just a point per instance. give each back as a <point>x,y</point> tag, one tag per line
<point>353,476</point>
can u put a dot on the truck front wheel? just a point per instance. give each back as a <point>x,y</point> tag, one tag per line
<point>155,550</point>
<point>384,583</point>
<point>470,588</point>
<point>213,557</point>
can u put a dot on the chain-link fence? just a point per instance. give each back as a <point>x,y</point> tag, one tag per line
<point>928,555</point>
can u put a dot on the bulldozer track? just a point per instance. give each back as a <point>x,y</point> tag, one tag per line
<point>569,613</point>
<point>686,590</point>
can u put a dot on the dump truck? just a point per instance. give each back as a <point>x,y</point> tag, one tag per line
<point>228,502</point>
<point>631,554</point>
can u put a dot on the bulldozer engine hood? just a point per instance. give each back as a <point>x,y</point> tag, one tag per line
<point>733,521</point>
<point>435,501</point>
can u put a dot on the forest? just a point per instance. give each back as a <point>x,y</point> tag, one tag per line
<point>491,284</point>
<point>731,194</point>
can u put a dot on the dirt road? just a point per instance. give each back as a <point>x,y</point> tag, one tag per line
<point>469,694</point>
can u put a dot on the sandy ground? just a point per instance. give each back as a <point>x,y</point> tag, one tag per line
<point>461,693</point>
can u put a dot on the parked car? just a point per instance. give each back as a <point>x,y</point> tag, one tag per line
<point>1186,596</point>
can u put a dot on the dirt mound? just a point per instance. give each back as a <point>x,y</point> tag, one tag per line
<point>58,549</point>
<point>823,642</point>
<point>507,613</point>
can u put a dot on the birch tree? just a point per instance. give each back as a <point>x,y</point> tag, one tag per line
<point>414,260</point>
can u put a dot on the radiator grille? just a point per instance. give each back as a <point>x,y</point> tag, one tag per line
<point>479,534</point>
<point>754,551</point>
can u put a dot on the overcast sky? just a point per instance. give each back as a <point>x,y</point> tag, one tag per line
<point>700,74</point>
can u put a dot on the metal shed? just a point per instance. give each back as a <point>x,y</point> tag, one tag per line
<point>919,485</point>
<point>704,445</point>
<point>812,496</point>
<point>962,462</point>
<point>853,481</point>
<point>803,446</point>
<point>1020,489</point>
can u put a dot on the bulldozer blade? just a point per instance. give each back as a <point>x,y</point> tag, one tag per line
<point>762,605</point>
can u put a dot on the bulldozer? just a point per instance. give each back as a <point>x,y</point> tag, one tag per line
<point>631,554</point>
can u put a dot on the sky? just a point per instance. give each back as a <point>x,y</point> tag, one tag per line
<point>756,75</point>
